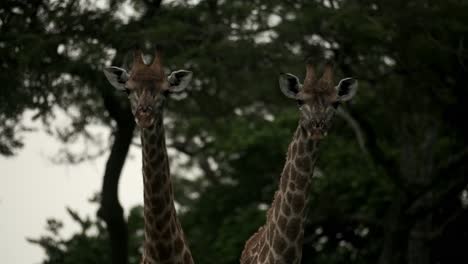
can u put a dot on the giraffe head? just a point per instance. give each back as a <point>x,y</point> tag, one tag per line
<point>147,86</point>
<point>318,98</point>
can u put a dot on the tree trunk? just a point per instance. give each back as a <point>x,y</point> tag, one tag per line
<point>111,211</point>
<point>395,233</point>
<point>419,251</point>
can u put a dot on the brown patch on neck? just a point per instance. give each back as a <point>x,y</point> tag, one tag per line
<point>164,239</point>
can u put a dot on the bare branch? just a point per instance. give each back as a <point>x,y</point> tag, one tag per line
<point>202,162</point>
<point>355,126</point>
<point>377,153</point>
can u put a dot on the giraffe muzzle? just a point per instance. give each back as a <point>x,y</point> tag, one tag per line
<point>144,116</point>
<point>317,133</point>
<point>317,130</point>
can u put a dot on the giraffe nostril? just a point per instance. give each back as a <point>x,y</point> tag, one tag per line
<point>144,109</point>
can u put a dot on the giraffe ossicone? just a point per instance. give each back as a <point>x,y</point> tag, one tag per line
<point>147,88</point>
<point>280,239</point>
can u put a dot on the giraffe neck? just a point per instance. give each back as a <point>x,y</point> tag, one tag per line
<point>164,238</point>
<point>280,239</point>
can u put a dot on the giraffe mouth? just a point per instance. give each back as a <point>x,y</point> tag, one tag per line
<point>144,119</point>
<point>316,134</point>
<point>145,123</point>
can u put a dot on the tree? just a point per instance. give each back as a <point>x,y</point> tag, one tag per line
<point>391,172</point>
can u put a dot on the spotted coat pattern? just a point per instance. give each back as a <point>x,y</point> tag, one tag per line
<point>164,238</point>
<point>280,239</point>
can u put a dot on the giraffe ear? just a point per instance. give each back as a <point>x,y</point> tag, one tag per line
<point>179,80</point>
<point>289,85</point>
<point>346,89</point>
<point>116,76</point>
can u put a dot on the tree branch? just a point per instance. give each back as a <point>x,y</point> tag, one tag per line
<point>202,162</point>
<point>355,126</point>
<point>376,153</point>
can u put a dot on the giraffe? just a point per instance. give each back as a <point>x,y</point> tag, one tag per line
<point>280,239</point>
<point>147,88</point>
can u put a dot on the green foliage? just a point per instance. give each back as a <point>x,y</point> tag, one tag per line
<point>86,246</point>
<point>89,245</point>
<point>234,124</point>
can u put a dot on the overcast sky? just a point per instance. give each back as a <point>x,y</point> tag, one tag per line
<point>32,189</point>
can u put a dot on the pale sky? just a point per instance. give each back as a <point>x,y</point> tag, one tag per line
<point>33,189</point>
